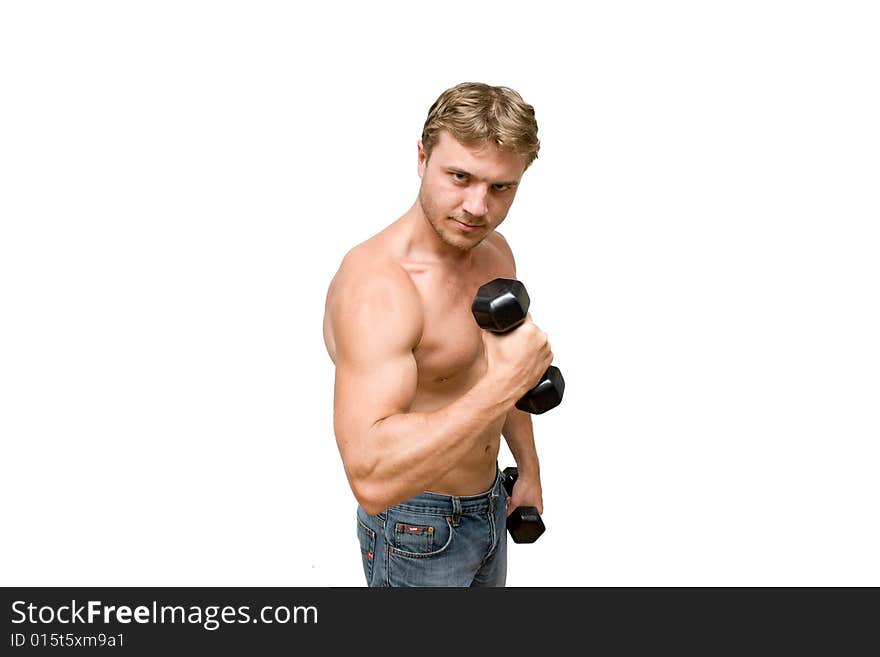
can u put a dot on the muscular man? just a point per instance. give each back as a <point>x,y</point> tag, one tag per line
<point>422,394</point>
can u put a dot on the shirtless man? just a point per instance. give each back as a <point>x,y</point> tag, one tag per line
<point>422,394</point>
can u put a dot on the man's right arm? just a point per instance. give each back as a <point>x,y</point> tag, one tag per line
<point>391,454</point>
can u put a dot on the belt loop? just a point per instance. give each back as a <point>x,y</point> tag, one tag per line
<point>456,510</point>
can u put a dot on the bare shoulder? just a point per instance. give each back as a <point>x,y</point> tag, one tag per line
<point>371,299</point>
<point>365,273</point>
<point>502,255</point>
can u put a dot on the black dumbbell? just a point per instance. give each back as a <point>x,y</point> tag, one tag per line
<point>500,306</point>
<point>524,524</point>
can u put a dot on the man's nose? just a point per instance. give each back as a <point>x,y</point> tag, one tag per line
<point>476,201</point>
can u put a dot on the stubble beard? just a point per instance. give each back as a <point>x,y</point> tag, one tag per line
<point>435,218</point>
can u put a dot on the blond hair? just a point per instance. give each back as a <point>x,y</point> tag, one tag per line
<point>474,112</point>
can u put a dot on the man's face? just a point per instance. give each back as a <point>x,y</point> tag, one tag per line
<point>466,191</point>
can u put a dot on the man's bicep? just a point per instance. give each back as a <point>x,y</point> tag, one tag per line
<point>371,390</point>
<point>376,373</point>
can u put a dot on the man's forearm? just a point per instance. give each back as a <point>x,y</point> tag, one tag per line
<point>520,437</point>
<point>413,450</point>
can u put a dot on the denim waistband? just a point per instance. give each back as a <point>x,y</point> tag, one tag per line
<point>439,503</point>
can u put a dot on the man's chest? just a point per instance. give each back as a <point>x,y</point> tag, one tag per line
<point>451,347</point>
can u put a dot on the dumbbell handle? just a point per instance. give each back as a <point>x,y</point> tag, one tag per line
<point>500,306</point>
<point>531,402</point>
<point>552,378</point>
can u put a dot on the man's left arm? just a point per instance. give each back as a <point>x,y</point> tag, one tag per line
<point>517,429</point>
<point>520,437</point>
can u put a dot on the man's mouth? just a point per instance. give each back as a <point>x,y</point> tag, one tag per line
<point>467,227</point>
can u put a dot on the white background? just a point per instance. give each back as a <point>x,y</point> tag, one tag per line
<point>179,181</point>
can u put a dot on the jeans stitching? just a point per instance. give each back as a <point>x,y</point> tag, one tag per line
<point>423,555</point>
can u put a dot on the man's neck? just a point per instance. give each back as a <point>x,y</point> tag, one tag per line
<point>425,244</point>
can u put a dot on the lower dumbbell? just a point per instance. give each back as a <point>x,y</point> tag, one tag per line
<point>524,524</point>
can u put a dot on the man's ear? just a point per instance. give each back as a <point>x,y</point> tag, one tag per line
<point>423,159</point>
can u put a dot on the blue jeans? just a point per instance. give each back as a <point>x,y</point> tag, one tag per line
<point>437,540</point>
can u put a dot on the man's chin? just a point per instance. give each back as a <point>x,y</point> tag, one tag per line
<point>462,244</point>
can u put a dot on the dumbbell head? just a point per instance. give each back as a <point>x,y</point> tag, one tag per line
<point>524,524</point>
<point>501,305</point>
<point>546,395</point>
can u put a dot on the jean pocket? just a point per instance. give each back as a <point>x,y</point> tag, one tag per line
<point>367,540</point>
<point>415,535</point>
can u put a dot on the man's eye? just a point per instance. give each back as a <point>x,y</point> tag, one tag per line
<point>501,188</point>
<point>459,177</point>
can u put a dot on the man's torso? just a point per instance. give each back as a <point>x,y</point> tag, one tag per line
<point>449,355</point>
